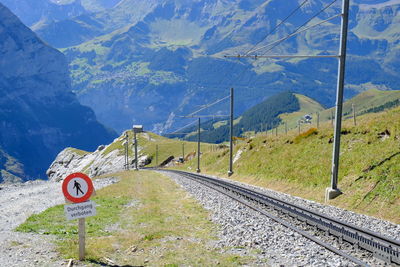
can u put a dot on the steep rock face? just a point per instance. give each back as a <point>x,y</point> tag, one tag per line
<point>39,115</point>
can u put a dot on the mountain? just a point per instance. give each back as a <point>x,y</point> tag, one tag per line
<point>147,62</point>
<point>39,115</point>
<point>39,13</point>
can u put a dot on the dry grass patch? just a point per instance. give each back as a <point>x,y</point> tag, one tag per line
<point>149,220</point>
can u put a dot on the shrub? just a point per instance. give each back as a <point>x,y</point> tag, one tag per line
<point>306,134</point>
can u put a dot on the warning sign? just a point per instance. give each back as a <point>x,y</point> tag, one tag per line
<point>80,210</point>
<point>77,187</point>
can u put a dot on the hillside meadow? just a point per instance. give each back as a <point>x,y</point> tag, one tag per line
<point>300,164</point>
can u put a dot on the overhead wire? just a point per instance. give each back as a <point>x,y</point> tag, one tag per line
<point>277,26</point>
<point>276,43</point>
<point>177,131</point>
<point>208,105</point>
<point>222,80</point>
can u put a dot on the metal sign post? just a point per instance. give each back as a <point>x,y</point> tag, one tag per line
<point>81,234</point>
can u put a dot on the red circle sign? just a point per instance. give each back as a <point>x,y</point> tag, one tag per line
<point>77,187</point>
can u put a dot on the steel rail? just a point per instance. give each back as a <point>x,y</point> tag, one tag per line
<point>384,248</point>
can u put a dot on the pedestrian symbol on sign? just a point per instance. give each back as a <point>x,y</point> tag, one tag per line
<point>78,188</point>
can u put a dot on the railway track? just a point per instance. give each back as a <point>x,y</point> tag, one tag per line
<point>378,246</point>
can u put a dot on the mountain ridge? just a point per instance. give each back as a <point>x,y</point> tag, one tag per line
<point>149,62</point>
<point>39,113</point>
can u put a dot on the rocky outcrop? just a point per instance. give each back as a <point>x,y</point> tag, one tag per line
<point>105,160</point>
<point>39,115</point>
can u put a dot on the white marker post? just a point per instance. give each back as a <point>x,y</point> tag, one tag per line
<point>78,188</point>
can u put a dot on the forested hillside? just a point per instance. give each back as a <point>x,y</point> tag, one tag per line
<point>263,116</point>
<point>284,111</point>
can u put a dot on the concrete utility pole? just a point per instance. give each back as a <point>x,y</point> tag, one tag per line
<point>136,159</point>
<point>156,155</point>
<point>183,152</point>
<point>317,120</point>
<point>230,172</point>
<point>286,127</point>
<point>334,191</point>
<point>276,130</point>
<point>198,146</point>
<point>136,129</point>
<point>353,107</point>
<point>126,152</point>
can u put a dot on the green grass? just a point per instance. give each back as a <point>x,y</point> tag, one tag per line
<point>145,219</point>
<point>78,151</point>
<point>300,165</point>
<point>362,102</point>
<point>53,222</point>
<point>307,106</point>
<point>168,147</point>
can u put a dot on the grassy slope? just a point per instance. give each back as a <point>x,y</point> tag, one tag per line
<point>147,143</point>
<point>369,166</point>
<point>363,101</point>
<point>300,165</point>
<point>307,106</point>
<point>145,219</point>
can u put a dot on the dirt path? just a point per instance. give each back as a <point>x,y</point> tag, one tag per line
<point>17,203</point>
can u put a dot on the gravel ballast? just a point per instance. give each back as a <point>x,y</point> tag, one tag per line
<point>247,230</point>
<point>17,203</point>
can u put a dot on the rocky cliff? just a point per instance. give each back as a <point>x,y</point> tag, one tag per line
<point>39,115</point>
<point>105,160</point>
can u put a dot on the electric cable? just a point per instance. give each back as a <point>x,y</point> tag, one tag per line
<point>276,43</point>
<point>277,26</point>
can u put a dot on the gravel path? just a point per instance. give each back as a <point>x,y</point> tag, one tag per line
<point>246,230</point>
<point>17,203</point>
